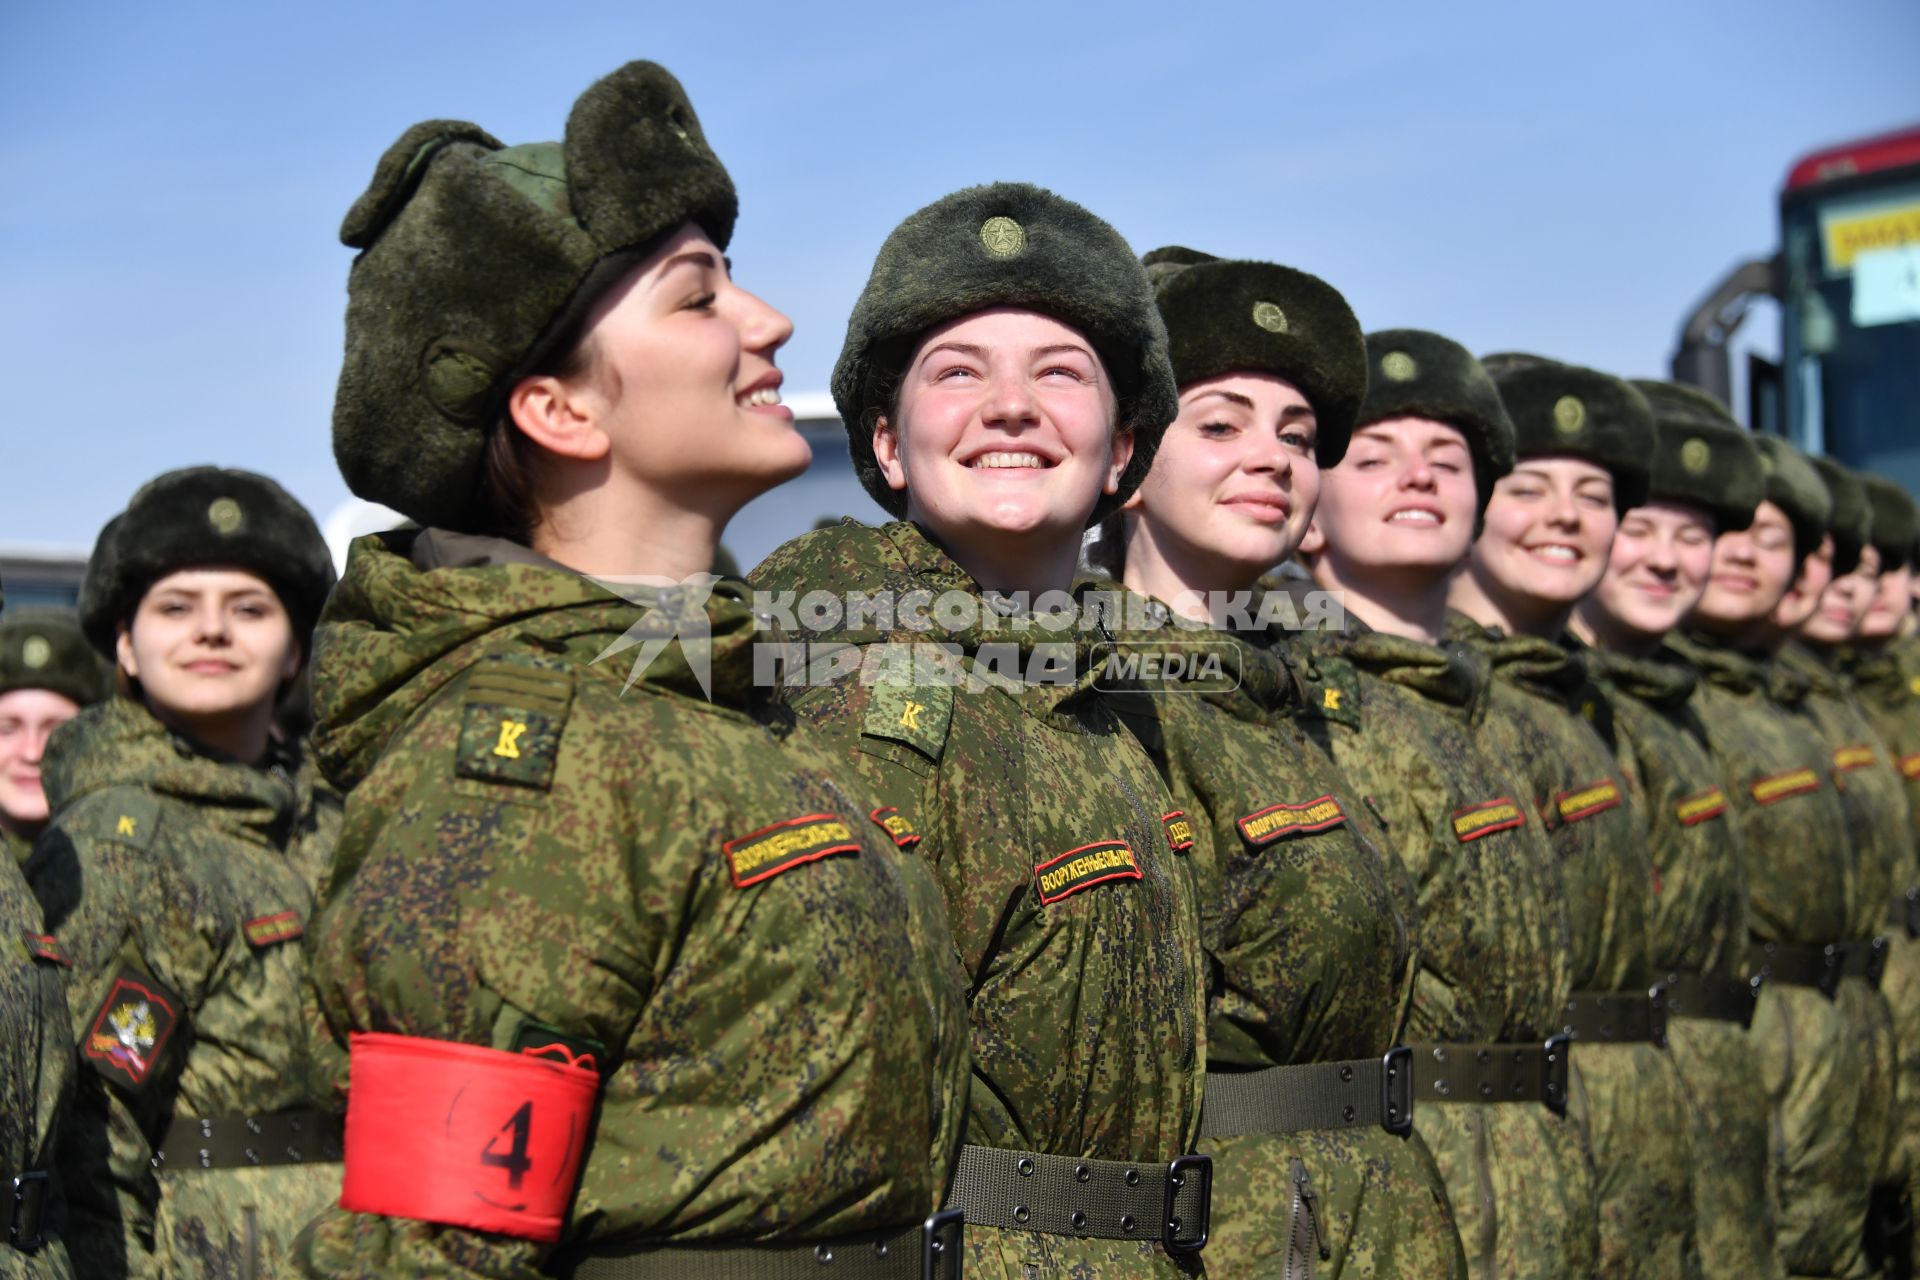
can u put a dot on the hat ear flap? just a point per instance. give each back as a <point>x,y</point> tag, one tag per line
<point>397,176</point>
<point>635,155</point>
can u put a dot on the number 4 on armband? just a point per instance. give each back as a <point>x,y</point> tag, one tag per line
<point>514,1160</point>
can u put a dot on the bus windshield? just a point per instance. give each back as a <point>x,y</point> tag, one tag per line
<point>1851,340</point>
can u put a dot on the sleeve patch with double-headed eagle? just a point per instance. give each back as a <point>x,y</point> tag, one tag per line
<point>1082,868</point>
<point>898,827</point>
<point>1179,830</point>
<point>1487,817</point>
<point>1264,826</point>
<point>783,846</point>
<point>1695,809</point>
<point>1584,802</point>
<point>131,1029</point>
<point>1778,786</point>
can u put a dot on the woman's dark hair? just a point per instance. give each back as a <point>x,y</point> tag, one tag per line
<point>510,466</point>
<point>1107,552</point>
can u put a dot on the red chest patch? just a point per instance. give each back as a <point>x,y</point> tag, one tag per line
<point>1777,787</point>
<point>1696,809</point>
<point>785,845</point>
<point>1587,801</point>
<point>1857,756</point>
<point>1082,868</point>
<point>1264,826</point>
<point>130,1030</point>
<point>268,931</point>
<point>1487,817</point>
<point>898,829</point>
<point>1179,830</point>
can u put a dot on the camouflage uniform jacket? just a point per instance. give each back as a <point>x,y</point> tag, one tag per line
<point>1491,917</point>
<point>17,845</point>
<point>534,850</point>
<point>1557,725</point>
<point>1887,682</point>
<point>170,874</point>
<point>1086,989</point>
<point>36,1068</point>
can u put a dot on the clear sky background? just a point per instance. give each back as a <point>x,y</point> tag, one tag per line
<point>1561,178</point>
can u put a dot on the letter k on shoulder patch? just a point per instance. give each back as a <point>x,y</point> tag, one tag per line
<point>131,1029</point>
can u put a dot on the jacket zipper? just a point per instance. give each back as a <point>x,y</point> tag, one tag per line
<point>1306,1239</point>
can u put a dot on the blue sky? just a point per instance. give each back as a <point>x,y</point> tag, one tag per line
<point>1567,179</point>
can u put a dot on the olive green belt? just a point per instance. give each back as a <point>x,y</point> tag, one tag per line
<point>1070,1196</point>
<point>1313,1095</point>
<point>1701,995</point>
<point>1615,1017</point>
<point>1906,912</point>
<point>931,1250</point>
<point>1819,964</point>
<point>1493,1073</point>
<point>249,1142</point>
<point>25,1209</point>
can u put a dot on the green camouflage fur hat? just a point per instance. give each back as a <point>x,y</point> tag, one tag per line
<point>1565,410</point>
<point>1701,456</point>
<point>1852,521</point>
<point>1007,244</point>
<point>478,261</point>
<point>1896,520</point>
<point>1415,374</point>
<point>1796,488</point>
<point>206,517</point>
<point>1228,315</point>
<point>43,648</point>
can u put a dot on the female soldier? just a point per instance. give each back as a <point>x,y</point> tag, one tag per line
<point>1583,441</point>
<point>177,875</point>
<point>1874,799</point>
<point>35,1073</point>
<point>1887,684</point>
<point>1004,383</point>
<point>1800,908</point>
<point>1705,479</point>
<point>1396,519</point>
<point>639,945</point>
<point>48,672</point>
<point>1302,913</point>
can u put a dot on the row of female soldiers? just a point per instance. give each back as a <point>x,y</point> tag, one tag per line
<point>1547,910</point>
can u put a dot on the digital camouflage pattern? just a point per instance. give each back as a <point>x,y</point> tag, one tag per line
<point>1880,826</point>
<point>1087,994</point>
<point>17,846</point>
<point>783,1039</point>
<point>155,860</point>
<point>1305,918</point>
<point>1491,935</point>
<point>36,1065</point>
<point>1800,883</point>
<point>1544,714</point>
<point>1886,681</point>
<point>1698,924</point>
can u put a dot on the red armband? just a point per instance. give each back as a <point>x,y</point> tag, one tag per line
<point>470,1137</point>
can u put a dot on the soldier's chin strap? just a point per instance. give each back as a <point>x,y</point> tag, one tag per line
<point>466,1136</point>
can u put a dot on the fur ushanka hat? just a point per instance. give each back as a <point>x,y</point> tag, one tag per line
<point>1796,488</point>
<point>206,517</point>
<point>1231,315</point>
<point>1412,373</point>
<point>1565,410</point>
<point>478,261</point>
<point>1701,456</point>
<point>1007,244</point>
<point>44,648</point>
<point>1851,523</point>
<point>1896,521</point>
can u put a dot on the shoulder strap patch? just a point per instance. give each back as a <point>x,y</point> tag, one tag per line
<point>1179,830</point>
<point>131,1028</point>
<point>1910,765</point>
<point>1332,692</point>
<point>917,715</point>
<point>1082,868</point>
<point>1264,826</point>
<point>271,930</point>
<point>1695,809</point>
<point>898,827</point>
<point>1857,756</point>
<point>1584,802</point>
<point>783,846</point>
<point>130,816</point>
<point>44,946</point>
<point>1777,787</point>
<point>1487,817</point>
<point>511,725</point>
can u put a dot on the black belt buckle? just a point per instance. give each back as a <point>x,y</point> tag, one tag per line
<point>1877,960</point>
<point>1396,1091</point>
<point>943,1236</point>
<point>26,1211</point>
<point>1657,1015</point>
<point>1553,1073</point>
<point>1177,1173</point>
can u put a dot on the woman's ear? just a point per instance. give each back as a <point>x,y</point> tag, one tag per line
<point>561,415</point>
<point>886,452</point>
<point>123,651</point>
<point>1120,453</point>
